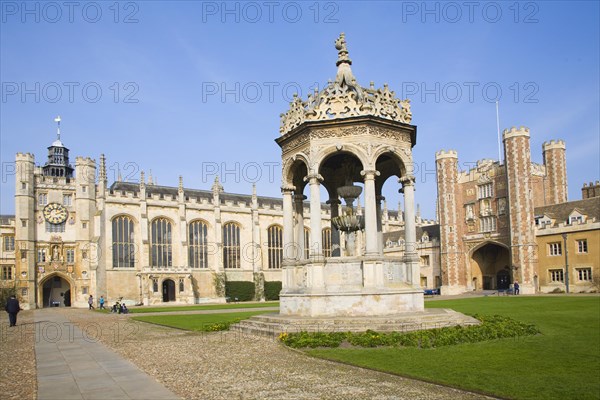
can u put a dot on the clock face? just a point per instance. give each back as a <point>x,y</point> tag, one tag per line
<point>55,213</point>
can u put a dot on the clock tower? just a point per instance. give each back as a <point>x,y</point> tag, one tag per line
<point>55,203</point>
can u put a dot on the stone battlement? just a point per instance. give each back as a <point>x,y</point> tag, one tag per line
<point>25,157</point>
<point>554,144</point>
<point>514,132</point>
<point>446,154</point>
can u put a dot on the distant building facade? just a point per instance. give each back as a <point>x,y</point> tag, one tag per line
<point>73,235</point>
<point>489,231</point>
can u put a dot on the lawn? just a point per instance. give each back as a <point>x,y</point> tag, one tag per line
<point>561,363</point>
<point>139,310</point>
<point>198,322</point>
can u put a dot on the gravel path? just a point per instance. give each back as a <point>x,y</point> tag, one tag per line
<point>227,365</point>
<point>18,378</point>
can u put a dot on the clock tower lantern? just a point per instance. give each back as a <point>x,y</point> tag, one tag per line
<point>58,157</point>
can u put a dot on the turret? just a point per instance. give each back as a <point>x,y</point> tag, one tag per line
<point>555,183</point>
<point>517,155</point>
<point>453,266</point>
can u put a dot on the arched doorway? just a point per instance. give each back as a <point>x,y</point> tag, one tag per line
<point>56,292</point>
<point>168,290</point>
<point>489,266</point>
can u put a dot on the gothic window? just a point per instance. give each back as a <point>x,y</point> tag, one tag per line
<point>198,244</point>
<point>487,224</point>
<point>9,243</point>
<point>181,286</point>
<point>306,243</point>
<point>231,246</point>
<point>67,200</point>
<point>162,253</point>
<point>41,255</point>
<point>70,256</point>
<point>275,246</point>
<point>326,237</point>
<point>123,243</point>
<point>484,191</point>
<point>55,228</point>
<point>42,199</point>
<point>7,273</point>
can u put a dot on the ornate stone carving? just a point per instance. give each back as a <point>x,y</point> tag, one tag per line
<point>344,98</point>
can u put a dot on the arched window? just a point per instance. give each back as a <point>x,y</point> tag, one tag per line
<point>162,253</point>
<point>198,244</point>
<point>123,242</point>
<point>275,246</point>
<point>231,246</point>
<point>306,243</point>
<point>326,237</point>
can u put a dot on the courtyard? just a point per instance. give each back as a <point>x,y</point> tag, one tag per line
<point>562,362</point>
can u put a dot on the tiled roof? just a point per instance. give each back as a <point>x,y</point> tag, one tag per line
<point>560,212</point>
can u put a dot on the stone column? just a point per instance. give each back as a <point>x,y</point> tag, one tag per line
<point>288,225</point>
<point>335,233</point>
<point>378,200</point>
<point>316,247</point>
<point>370,213</point>
<point>410,241</point>
<point>299,208</point>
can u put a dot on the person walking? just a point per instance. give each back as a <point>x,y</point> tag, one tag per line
<point>91,302</point>
<point>102,303</point>
<point>516,286</point>
<point>12,308</point>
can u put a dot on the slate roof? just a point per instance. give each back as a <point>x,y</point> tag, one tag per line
<point>433,231</point>
<point>560,212</point>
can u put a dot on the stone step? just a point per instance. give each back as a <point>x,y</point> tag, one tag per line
<point>273,324</point>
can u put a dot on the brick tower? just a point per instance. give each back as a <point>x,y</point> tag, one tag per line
<point>523,247</point>
<point>555,184</point>
<point>450,204</point>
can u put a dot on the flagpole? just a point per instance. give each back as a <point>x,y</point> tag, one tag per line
<point>498,128</point>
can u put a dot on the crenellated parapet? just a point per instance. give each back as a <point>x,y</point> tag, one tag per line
<point>446,154</point>
<point>554,144</point>
<point>515,132</point>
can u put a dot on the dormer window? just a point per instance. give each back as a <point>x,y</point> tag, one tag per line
<point>575,219</point>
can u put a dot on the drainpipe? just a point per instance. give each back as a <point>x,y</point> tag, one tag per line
<point>564,235</point>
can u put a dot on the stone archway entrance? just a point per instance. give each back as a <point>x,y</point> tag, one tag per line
<point>168,290</point>
<point>56,292</point>
<point>490,267</point>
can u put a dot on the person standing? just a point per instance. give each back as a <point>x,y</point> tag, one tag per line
<point>516,286</point>
<point>102,303</point>
<point>12,308</point>
<point>91,302</point>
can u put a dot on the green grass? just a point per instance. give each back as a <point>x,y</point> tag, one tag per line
<point>197,322</point>
<point>561,363</point>
<point>140,310</point>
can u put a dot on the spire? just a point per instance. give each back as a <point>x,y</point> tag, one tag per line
<point>180,184</point>
<point>217,187</point>
<point>418,216</point>
<point>344,73</point>
<point>150,181</point>
<point>142,179</point>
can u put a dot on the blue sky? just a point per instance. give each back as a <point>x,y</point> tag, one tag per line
<point>196,88</point>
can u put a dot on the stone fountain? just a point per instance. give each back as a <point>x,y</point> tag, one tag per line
<point>344,134</point>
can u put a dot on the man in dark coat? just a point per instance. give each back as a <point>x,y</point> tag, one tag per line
<point>12,308</point>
